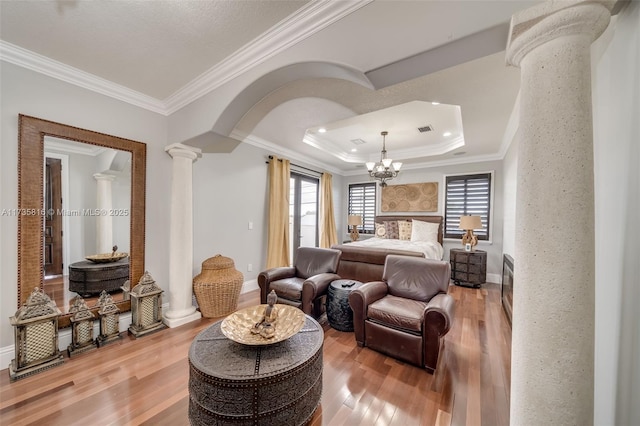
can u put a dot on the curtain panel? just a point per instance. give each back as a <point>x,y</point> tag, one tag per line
<point>278,224</point>
<point>328,233</point>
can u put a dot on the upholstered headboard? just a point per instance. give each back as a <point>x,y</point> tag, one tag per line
<point>432,219</point>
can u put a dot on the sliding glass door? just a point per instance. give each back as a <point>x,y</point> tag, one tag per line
<point>303,212</point>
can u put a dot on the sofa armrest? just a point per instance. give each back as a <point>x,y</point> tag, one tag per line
<point>273,274</point>
<point>317,286</point>
<point>359,300</point>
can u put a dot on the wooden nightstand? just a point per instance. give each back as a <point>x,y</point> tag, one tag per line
<point>468,268</point>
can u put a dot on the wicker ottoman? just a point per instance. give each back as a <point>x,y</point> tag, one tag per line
<point>217,287</point>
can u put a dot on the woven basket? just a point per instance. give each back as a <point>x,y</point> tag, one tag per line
<point>217,287</point>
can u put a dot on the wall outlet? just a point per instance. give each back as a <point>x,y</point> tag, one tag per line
<point>249,267</point>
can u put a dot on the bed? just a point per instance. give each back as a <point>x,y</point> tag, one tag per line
<point>363,260</point>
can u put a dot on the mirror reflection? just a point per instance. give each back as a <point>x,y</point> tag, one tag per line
<point>87,196</point>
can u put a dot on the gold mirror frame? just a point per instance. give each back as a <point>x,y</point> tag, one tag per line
<point>31,135</point>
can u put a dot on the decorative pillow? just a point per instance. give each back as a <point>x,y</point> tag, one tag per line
<point>404,230</point>
<point>381,231</point>
<point>424,231</point>
<point>391,227</point>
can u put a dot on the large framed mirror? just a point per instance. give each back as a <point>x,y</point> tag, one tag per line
<point>33,132</point>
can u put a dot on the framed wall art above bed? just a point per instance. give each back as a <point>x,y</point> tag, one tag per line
<point>412,197</point>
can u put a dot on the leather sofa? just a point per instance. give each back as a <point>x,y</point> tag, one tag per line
<point>365,263</point>
<point>304,284</point>
<point>408,312</point>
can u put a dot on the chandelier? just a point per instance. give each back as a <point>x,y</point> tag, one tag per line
<point>385,169</point>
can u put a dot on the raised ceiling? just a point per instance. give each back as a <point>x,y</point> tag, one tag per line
<point>168,52</point>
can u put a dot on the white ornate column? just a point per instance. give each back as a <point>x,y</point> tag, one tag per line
<point>552,360</point>
<point>104,220</point>
<point>181,309</point>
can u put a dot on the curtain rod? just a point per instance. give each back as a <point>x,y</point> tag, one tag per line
<point>296,165</point>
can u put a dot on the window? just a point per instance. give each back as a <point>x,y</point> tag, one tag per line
<point>467,195</point>
<point>303,212</point>
<point>362,201</point>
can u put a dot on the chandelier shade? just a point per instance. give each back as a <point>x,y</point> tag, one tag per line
<point>386,169</point>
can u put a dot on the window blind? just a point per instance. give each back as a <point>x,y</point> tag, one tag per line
<point>467,195</point>
<point>362,201</point>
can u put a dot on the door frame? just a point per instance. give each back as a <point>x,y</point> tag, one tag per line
<point>64,180</point>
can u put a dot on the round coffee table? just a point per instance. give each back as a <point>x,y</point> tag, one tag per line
<point>339,313</point>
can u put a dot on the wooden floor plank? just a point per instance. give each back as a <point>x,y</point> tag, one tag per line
<point>145,381</point>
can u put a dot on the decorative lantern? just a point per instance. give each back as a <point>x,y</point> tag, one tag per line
<point>81,327</point>
<point>36,336</point>
<point>126,289</point>
<point>109,319</point>
<point>146,307</point>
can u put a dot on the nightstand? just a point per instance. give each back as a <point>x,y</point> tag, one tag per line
<point>468,268</point>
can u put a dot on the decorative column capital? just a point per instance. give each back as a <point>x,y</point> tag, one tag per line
<point>540,24</point>
<point>183,151</point>
<point>104,176</point>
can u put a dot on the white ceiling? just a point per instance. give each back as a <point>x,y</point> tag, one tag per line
<point>164,51</point>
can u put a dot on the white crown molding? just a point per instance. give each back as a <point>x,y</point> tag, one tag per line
<point>328,147</point>
<point>43,65</point>
<point>279,150</point>
<point>292,30</point>
<point>438,163</point>
<point>71,147</point>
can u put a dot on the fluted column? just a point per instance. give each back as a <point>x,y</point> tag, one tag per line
<point>552,362</point>
<point>181,309</point>
<point>104,220</point>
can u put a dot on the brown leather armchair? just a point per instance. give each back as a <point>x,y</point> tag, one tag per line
<point>406,314</point>
<point>303,284</point>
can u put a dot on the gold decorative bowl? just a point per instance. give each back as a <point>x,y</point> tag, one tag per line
<point>237,326</point>
<point>106,257</point>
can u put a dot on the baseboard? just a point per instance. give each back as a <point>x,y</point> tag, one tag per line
<point>7,353</point>
<point>494,278</point>
<point>248,286</point>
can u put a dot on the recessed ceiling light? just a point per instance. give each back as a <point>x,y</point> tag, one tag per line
<point>322,130</point>
<point>435,103</point>
<point>353,150</point>
<point>446,134</point>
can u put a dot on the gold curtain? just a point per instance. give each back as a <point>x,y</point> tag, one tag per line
<point>328,234</point>
<point>278,232</point>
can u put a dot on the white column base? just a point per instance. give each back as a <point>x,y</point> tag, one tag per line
<point>173,321</point>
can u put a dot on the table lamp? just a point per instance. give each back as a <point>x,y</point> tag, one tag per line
<point>469,223</point>
<point>354,221</point>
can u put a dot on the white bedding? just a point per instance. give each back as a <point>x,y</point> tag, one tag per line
<point>431,250</point>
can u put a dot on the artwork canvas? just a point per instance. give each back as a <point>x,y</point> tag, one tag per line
<point>413,197</point>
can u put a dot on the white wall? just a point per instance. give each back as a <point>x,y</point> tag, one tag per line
<point>34,94</point>
<point>229,191</point>
<point>616,112</point>
<point>437,174</point>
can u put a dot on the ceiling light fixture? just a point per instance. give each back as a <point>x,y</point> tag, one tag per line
<point>322,130</point>
<point>446,134</point>
<point>383,169</point>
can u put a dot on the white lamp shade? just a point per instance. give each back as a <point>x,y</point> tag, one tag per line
<point>386,162</point>
<point>396,166</point>
<point>355,219</point>
<point>370,165</point>
<point>470,222</point>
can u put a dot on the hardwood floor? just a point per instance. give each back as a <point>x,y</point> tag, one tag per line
<point>145,381</point>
